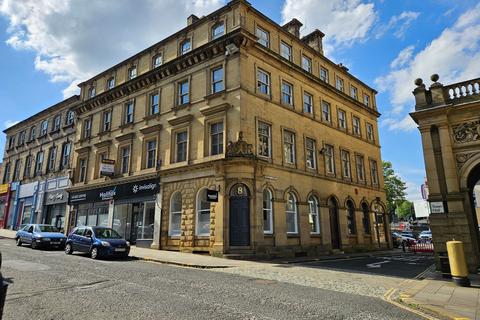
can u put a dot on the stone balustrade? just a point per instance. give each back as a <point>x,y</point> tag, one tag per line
<point>469,89</point>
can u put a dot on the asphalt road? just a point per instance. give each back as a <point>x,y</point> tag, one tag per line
<point>52,285</point>
<point>403,266</point>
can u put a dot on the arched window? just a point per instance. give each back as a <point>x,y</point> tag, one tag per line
<point>218,30</point>
<point>175,214</point>
<point>313,217</point>
<point>366,218</point>
<point>185,46</point>
<point>203,214</point>
<point>291,213</point>
<point>352,228</point>
<point>267,212</point>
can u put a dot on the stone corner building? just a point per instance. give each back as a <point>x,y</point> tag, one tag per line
<point>237,107</point>
<point>448,118</point>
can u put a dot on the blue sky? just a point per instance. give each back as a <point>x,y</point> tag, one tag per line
<point>48,46</point>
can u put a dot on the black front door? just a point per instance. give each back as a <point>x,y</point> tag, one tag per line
<point>239,221</point>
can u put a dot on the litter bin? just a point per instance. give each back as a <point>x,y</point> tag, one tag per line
<point>444,265</point>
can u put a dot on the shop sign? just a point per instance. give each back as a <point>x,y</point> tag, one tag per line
<point>212,195</point>
<point>107,168</point>
<point>55,197</point>
<point>122,191</point>
<point>437,207</point>
<point>28,190</point>
<point>3,188</point>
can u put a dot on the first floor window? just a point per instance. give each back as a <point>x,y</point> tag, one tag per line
<point>82,174</point>
<point>287,93</point>
<point>264,139</point>
<point>342,121</point>
<point>151,154</point>
<point>307,103</point>
<point>107,120</point>
<point>87,128</point>
<point>129,112</point>
<point>329,159</point>
<point>291,213</point>
<point>203,214</point>
<point>125,160</point>
<point>267,211</point>
<point>28,166</point>
<point>289,146</point>
<point>356,126</point>
<point>360,168</point>
<point>66,150</point>
<point>346,163</point>
<point>154,103</point>
<point>16,170</point>
<point>175,214</point>
<point>313,218</point>
<point>183,93</point>
<point>310,153</point>
<point>374,171</point>
<point>216,138</point>
<point>6,173</point>
<point>70,117</point>
<point>39,163</point>
<point>352,228</point>
<point>181,146</point>
<point>51,159</point>
<point>217,79</point>
<point>326,116</point>
<point>263,82</point>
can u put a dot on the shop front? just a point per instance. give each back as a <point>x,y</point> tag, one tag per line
<point>24,211</point>
<point>128,208</point>
<point>4,193</point>
<point>55,200</point>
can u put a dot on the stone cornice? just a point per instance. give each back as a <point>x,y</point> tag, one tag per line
<point>180,120</point>
<point>181,63</point>
<point>209,110</point>
<point>150,129</point>
<point>127,136</point>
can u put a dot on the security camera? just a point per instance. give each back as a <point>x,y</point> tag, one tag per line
<point>231,49</point>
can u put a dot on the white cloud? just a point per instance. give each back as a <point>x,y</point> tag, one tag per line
<point>404,124</point>
<point>402,58</point>
<point>343,22</point>
<point>397,24</point>
<point>9,123</point>
<point>74,40</point>
<point>454,55</point>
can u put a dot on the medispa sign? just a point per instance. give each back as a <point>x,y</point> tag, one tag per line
<point>127,190</point>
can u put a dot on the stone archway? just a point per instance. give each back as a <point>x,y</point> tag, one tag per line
<point>473,179</point>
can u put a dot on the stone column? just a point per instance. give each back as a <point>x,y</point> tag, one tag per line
<point>303,224</point>
<point>359,227</point>
<point>325,226</point>
<point>280,223</point>
<point>429,158</point>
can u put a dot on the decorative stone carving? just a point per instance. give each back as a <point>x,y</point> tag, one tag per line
<point>240,148</point>
<point>466,132</point>
<point>463,157</point>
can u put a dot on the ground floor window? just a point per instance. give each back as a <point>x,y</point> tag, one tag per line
<point>92,214</point>
<point>55,215</point>
<point>313,215</point>
<point>27,213</point>
<point>291,213</point>
<point>134,221</point>
<point>203,213</point>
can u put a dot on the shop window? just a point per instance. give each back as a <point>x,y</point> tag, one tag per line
<point>175,214</point>
<point>145,225</point>
<point>313,217</point>
<point>291,212</point>
<point>267,212</point>
<point>203,214</point>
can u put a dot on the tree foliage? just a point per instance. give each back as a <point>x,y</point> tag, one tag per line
<point>394,187</point>
<point>405,209</point>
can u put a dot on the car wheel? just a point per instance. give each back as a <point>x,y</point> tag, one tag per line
<point>94,253</point>
<point>34,244</point>
<point>68,248</point>
<point>19,242</point>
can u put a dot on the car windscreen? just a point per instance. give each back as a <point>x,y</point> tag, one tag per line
<point>106,233</point>
<point>46,229</point>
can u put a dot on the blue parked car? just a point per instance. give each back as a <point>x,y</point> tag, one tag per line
<point>98,242</point>
<point>40,236</point>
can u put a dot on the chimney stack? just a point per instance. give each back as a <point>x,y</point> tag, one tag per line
<point>293,27</point>
<point>315,40</point>
<point>192,19</point>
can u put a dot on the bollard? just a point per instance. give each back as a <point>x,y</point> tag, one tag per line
<point>458,263</point>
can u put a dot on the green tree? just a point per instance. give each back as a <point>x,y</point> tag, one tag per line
<point>405,209</point>
<point>394,187</point>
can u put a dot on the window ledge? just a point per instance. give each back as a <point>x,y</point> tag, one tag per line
<point>293,235</point>
<point>352,236</point>
<point>152,116</point>
<point>30,141</point>
<point>55,131</point>
<point>181,106</point>
<point>103,133</point>
<point>68,126</point>
<point>268,234</point>
<point>315,235</point>
<point>126,125</point>
<point>215,95</point>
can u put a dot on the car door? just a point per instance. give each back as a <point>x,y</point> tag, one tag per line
<point>87,240</point>
<point>29,234</point>
<point>21,233</point>
<point>76,238</point>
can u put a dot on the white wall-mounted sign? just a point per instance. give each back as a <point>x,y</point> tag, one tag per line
<point>437,207</point>
<point>107,168</point>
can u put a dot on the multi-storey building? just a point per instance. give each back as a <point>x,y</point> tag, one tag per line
<point>36,167</point>
<point>233,136</point>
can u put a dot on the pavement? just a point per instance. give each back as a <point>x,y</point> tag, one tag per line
<point>378,274</point>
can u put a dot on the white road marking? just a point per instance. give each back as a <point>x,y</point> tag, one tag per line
<point>377,264</point>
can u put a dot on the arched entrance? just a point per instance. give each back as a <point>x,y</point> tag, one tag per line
<point>473,185</point>
<point>334,224</point>
<point>366,218</point>
<point>239,216</point>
